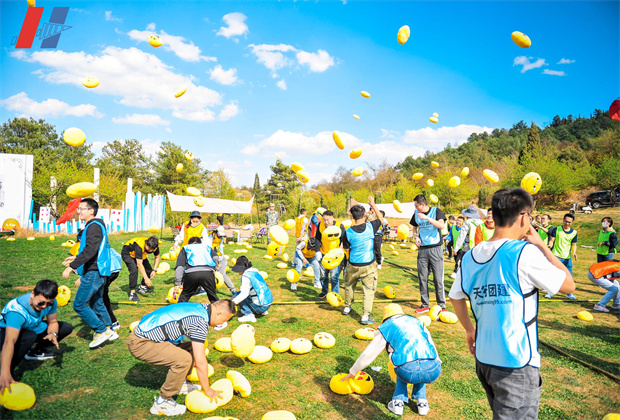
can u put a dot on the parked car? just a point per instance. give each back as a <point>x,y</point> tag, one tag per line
<point>603,198</point>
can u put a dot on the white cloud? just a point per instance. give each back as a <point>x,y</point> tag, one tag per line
<point>137,78</point>
<point>79,10</point>
<point>236,25</point>
<point>168,129</point>
<point>250,150</point>
<point>566,61</point>
<point>388,133</point>
<point>281,84</point>
<point>318,62</point>
<point>141,119</point>
<point>271,56</point>
<point>184,49</point>
<point>553,72</point>
<point>224,77</point>
<point>527,64</point>
<point>437,139</point>
<point>49,108</point>
<point>229,111</point>
<point>109,17</point>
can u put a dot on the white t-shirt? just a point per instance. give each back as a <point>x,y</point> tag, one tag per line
<point>535,271</point>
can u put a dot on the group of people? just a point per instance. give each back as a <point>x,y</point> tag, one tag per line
<point>499,271</point>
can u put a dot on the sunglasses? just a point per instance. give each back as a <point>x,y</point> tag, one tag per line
<point>44,304</point>
<point>333,235</point>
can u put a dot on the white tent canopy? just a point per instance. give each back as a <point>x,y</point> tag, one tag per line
<point>407,210</point>
<point>212,205</point>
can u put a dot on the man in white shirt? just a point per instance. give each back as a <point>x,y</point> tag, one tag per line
<point>501,277</point>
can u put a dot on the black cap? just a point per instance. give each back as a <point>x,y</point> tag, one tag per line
<point>195,213</point>
<point>242,264</point>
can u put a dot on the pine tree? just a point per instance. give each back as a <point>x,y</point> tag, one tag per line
<point>256,188</point>
<point>532,145</point>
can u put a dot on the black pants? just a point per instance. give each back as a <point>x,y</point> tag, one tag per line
<point>27,338</point>
<point>192,281</point>
<point>132,266</point>
<point>378,241</point>
<point>106,298</point>
<point>449,248</point>
<point>457,259</point>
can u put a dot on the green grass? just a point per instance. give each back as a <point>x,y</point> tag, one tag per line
<point>109,383</point>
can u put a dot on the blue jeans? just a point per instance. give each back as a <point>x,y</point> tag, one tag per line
<point>334,273</point>
<point>603,258</point>
<point>611,285</point>
<point>247,307</point>
<point>88,303</point>
<point>568,263</point>
<point>314,263</point>
<point>419,373</point>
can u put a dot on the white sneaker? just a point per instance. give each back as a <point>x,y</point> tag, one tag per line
<point>396,407</point>
<point>318,286</point>
<point>293,286</point>
<point>221,326</point>
<point>346,310</point>
<point>100,338</point>
<point>264,313</point>
<point>247,318</point>
<point>379,267</point>
<point>422,407</point>
<point>188,387</point>
<point>167,408</point>
<point>113,334</point>
<point>453,275</point>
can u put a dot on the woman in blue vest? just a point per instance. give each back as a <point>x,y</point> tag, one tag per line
<point>254,296</point>
<point>412,352</point>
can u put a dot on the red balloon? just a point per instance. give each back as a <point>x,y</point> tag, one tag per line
<point>614,110</point>
<point>71,209</point>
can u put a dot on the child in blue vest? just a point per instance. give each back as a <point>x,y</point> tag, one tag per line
<point>254,296</point>
<point>501,278</point>
<point>412,352</point>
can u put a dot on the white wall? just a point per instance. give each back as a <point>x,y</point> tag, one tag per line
<point>15,187</point>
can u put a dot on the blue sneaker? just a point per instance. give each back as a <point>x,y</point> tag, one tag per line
<point>571,296</point>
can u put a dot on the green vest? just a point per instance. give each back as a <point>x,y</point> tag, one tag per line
<point>472,233</point>
<point>487,233</point>
<point>543,235</point>
<point>455,234</point>
<point>604,237</point>
<point>563,241</point>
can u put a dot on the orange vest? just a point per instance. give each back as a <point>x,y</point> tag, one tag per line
<point>604,268</point>
<point>140,241</point>
<point>191,232</point>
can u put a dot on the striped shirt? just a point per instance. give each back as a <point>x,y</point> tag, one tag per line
<point>192,326</point>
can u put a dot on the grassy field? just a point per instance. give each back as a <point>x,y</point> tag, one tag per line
<point>109,383</point>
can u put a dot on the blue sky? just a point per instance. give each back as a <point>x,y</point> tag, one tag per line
<point>267,78</point>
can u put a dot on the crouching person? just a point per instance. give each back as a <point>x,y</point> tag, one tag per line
<point>412,352</point>
<point>22,325</point>
<point>254,296</point>
<point>159,339</point>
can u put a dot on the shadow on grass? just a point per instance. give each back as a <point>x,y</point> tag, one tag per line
<point>232,361</point>
<point>28,365</point>
<point>143,375</point>
<point>605,365</point>
<point>601,332</point>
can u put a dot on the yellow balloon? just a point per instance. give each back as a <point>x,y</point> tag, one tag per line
<point>303,177</point>
<point>340,387</point>
<point>521,39</point>
<point>434,198</point>
<point>189,156</point>
<point>261,354</point>
<point>301,346</point>
<point>278,235</point>
<point>403,34</point>
<point>297,167</point>
<point>454,182</point>
<point>436,115</point>
<point>434,164</point>
<point>199,201</point>
<point>355,153</point>
<point>389,292</point>
<point>155,41</point>
<point>430,182</point>
<point>403,231</point>
<point>242,340</point>
<point>282,265</point>
<point>279,415</point>
<point>337,140</point>
<point>74,136</point>
<point>434,120</point>
<point>417,176</point>
<point>426,320</point>
<point>333,258</point>
<point>490,175</point>
<point>357,171</point>
<point>365,333</point>
<point>292,276</point>
<point>532,183</point>
<point>180,92</point>
<point>362,383</point>
<point>357,117</point>
<point>90,82</point>
<point>585,316</point>
<point>396,205</point>
<point>194,192</point>
<point>21,397</point>
<point>280,345</point>
<point>179,167</point>
<point>334,299</point>
<point>448,317</point>
<point>81,189</point>
<point>465,172</point>
<point>365,94</point>
<point>289,224</point>
<point>240,384</point>
<point>324,340</point>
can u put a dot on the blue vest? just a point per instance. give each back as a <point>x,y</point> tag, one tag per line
<point>104,256</point>
<point>259,293</point>
<point>172,313</point>
<point>406,335</point>
<point>34,319</point>
<point>498,305</point>
<point>429,234</point>
<point>361,245</point>
<point>198,254</point>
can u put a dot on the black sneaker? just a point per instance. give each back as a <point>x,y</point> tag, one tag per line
<point>38,355</point>
<point>144,289</point>
<point>115,326</point>
<point>133,296</point>
<point>322,295</point>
